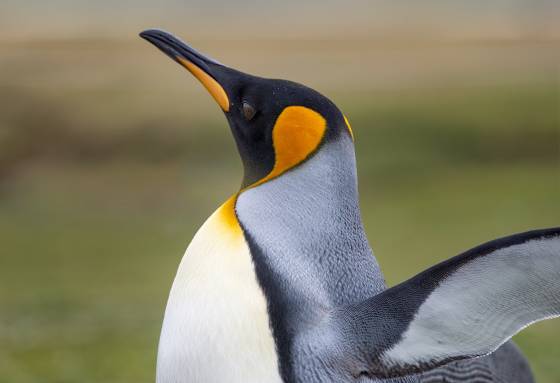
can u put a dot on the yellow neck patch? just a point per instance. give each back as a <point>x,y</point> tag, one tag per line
<point>209,83</point>
<point>349,128</point>
<point>228,217</point>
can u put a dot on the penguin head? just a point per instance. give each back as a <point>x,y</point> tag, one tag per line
<point>276,124</point>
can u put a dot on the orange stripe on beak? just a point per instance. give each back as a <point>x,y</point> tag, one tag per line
<point>211,85</point>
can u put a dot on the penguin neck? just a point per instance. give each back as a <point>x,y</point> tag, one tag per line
<point>305,231</point>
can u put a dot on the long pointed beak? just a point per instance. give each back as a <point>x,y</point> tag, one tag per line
<point>195,62</point>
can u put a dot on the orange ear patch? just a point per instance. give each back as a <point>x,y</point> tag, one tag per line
<point>298,131</point>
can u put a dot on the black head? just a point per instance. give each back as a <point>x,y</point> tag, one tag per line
<point>277,124</point>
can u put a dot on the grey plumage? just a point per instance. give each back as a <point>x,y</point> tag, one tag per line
<point>311,256</point>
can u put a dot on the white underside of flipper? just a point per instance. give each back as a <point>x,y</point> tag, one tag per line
<point>216,326</point>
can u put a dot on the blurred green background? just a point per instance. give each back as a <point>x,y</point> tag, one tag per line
<point>111,155</point>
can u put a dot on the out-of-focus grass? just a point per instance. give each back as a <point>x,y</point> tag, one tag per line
<point>104,180</point>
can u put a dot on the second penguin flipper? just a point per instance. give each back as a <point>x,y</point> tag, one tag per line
<point>462,308</point>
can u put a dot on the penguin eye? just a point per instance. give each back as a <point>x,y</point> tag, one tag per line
<point>248,111</point>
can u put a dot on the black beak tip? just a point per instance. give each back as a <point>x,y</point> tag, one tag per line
<point>151,33</point>
<point>155,36</point>
<point>164,41</point>
<point>144,34</point>
<point>174,47</point>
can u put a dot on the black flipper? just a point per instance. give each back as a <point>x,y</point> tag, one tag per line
<point>462,308</point>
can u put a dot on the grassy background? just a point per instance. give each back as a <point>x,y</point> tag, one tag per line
<point>111,156</point>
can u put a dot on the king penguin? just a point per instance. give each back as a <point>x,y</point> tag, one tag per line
<point>280,283</point>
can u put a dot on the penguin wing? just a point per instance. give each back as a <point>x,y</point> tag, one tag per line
<point>465,307</point>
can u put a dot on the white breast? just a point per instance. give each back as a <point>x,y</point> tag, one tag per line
<point>216,327</point>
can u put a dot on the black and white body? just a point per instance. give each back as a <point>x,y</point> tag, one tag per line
<point>280,283</point>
